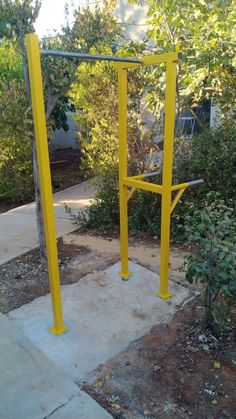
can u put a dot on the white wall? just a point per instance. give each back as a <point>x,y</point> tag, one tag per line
<point>133,17</point>
<point>215,118</point>
<point>65,139</point>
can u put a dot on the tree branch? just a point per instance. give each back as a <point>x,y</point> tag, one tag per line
<point>52,99</point>
<point>171,35</point>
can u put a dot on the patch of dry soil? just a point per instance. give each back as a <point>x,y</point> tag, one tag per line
<point>24,279</point>
<point>144,252</point>
<point>169,374</point>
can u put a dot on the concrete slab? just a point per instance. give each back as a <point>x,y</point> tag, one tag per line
<point>32,387</point>
<point>18,226</point>
<point>104,315</point>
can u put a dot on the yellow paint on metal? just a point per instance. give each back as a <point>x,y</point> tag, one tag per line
<point>168,57</point>
<point>138,177</point>
<point>125,65</point>
<point>150,60</point>
<point>33,54</point>
<point>135,182</point>
<point>180,186</point>
<point>167,177</point>
<point>176,200</point>
<point>130,193</point>
<point>139,184</point>
<point>123,157</point>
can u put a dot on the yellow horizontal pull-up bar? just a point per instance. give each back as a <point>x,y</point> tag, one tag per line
<point>170,57</point>
<point>150,60</point>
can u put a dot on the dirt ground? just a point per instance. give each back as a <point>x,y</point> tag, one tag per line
<point>65,169</point>
<point>176,371</point>
<point>23,278</point>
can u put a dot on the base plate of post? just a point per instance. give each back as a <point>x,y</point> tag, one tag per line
<point>126,276</point>
<point>165,295</point>
<point>56,332</point>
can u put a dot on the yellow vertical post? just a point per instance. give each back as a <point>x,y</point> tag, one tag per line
<point>169,127</point>
<point>36,85</point>
<point>123,156</point>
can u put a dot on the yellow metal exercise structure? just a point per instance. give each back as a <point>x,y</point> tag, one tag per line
<point>36,86</point>
<point>135,182</point>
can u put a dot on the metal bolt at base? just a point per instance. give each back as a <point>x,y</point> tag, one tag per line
<point>56,332</point>
<point>126,276</point>
<point>164,296</point>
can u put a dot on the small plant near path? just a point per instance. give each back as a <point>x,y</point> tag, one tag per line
<point>212,232</point>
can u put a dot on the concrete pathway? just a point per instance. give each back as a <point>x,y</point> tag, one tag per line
<point>18,229</point>
<point>103,314</point>
<point>32,387</point>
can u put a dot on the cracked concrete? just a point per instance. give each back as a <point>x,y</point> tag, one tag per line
<point>32,387</point>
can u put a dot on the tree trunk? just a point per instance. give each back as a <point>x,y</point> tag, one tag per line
<point>38,202</point>
<point>209,317</point>
<point>39,212</point>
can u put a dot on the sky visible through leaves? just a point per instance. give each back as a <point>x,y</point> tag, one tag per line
<point>52,15</point>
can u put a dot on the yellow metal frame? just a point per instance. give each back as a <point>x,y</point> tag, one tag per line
<point>166,189</point>
<point>138,182</point>
<point>36,86</point>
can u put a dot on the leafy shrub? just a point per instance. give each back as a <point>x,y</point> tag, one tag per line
<point>210,156</point>
<point>145,212</point>
<point>103,214</point>
<point>16,182</point>
<point>95,93</point>
<point>10,62</point>
<point>212,232</point>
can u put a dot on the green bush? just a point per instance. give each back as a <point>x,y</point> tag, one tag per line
<point>16,181</point>
<point>103,214</point>
<point>95,92</point>
<point>212,234</point>
<point>210,155</point>
<point>10,62</point>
